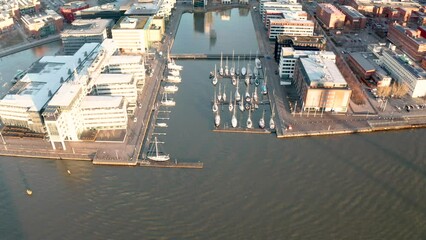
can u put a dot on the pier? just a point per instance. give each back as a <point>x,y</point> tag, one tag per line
<point>241,130</point>
<point>213,56</point>
<point>171,164</point>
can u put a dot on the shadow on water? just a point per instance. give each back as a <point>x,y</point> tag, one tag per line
<point>370,175</point>
<point>8,210</point>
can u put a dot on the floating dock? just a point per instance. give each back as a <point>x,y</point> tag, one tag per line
<point>171,164</point>
<point>242,130</point>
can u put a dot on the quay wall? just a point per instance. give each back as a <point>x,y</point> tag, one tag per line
<point>29,45</point>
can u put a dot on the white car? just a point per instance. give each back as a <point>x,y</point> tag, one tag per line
<point>135,119</point>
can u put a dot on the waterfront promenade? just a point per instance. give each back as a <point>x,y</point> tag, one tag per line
<point>25,46</point>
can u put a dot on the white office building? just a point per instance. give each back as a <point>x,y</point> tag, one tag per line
<point>404,70</point>
<point>125,64</point>
<point>289,5</point>
<point>26,100</point>
<point>123,85</point>
<point>289,58</point>
<point>85,31</point>
<point>104,112</point>
<point>129,34</point>
<point>290,27</point>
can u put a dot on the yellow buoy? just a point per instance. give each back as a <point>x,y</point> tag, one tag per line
<point>29,192</point>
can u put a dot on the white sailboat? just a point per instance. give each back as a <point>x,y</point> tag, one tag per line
<point>226,67</point>
<point>249,72</point>
<point>171,88</point>
<point>214,79</point>
<point>173,66</point>
<point>257,62</point>
<point>221,66</point>
<point>217,119</point>
<point>255,71</point>
<point>155,155</point>
<point>271,121</point>
<point>162,124</point>
<point>224,94</point>
<point>243,70</point>
<point>214,107</point>
<point>165,101</point>
<point>174,72</point>
<point>234,80</point>
<point>174,79</point>
<point>255,97</point>
<point>237,94</point>
<point>232,71</point>
<point>262,120</point>
<point>219,95</point>
<point>241,106</point>
<point>231,106</point>
<point>249,122</point>
<point>264,88</point>
<point>237,71</point>
<point>247,80</point>
<point>234,121</point>
<point>247,96</point>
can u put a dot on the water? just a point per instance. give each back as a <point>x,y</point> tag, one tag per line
<point>366,186</point>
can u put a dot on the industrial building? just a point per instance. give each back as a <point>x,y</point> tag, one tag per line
<point>408,40</point>
<point>365,67</point>
<point>354,19</point>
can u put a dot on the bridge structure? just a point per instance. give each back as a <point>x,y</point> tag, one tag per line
<point>213,56</point>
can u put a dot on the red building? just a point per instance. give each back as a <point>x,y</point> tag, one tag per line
<point>408,40</point>
<point>69,9</point>
<point>354,19</point>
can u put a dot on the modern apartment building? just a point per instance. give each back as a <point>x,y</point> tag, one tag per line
<point>85,31</point>
<point>321,85</point>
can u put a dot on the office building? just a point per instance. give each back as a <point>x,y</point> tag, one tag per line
<point>43,25</point>
<point>320,84</point>
<point>85,31</point>
<point>330,16</point>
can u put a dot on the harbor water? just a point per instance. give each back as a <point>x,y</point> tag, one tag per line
<point>362,186</point>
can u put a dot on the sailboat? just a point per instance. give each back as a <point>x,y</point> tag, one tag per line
<point>255,71</point>
<point>241,106</point>
<point>173,66</point>
<point>247,97</point>
<point>167,101</point>
<point>217,119</point>
<point>271,121</point>
<point>224,94</point>
<point>219,95</point>
<point>214,80</point>
<point>226,67</point>
<point>263,88</point>
<point>221,67</point>
<point>171,88</point>
<point>215,107</point>
<point>249,122</point>
<point>159,156</point>
<point>255,97</point>
<point>237,72</point>
<point>232,72</point>
<point>174,72</point>
<point>174,79</point>
<point>234,120</point>
<point>243,70</point>
<point>237,94</point>
<point>257,62</point>
<point>234,80</point>
<point>231,106</point>
<point>262,120</point>
<point>257,81</point>
<point>249,72</point>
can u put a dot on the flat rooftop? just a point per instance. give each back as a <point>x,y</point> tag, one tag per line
<point>362,61</point>
<point>132,22</point>
<point>408,64</point>
<point>329,8</point>
<point>148,8</point>
<point>323,70</point>
<point>404,30</point>
<point>125,59</point>
<point>74,5</point>
<point>114,79</point>
<point>66,95</point>
<point>96,102</point>
<point>87,26</point>
<point>351,11</point>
